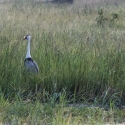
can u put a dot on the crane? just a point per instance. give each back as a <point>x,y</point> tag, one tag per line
<point>29,63</point>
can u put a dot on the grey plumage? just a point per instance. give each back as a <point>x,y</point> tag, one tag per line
<point>31,65</point>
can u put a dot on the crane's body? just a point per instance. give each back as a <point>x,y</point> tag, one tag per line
<point>29,63</point>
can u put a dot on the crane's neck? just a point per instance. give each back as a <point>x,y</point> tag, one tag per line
<point>28,49</point>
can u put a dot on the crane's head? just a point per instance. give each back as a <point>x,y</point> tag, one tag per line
<point>27,37</point>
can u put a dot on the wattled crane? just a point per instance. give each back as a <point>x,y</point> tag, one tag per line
<point>29,63</point>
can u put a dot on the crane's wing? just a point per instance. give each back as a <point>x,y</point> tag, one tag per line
<point>31,65</point>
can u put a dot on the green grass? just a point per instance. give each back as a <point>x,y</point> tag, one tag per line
<point>76,57</point>
<point>20,112</point>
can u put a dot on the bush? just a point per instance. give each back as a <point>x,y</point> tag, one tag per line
<point>64,1</point>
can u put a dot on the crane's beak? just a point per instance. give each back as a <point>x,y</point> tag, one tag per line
<point>24,38</point>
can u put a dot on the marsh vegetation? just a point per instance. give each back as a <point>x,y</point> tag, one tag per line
<point>80,50</point>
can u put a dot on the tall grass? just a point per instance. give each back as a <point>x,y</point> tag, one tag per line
<point>73,53</point>
<point>79,61</point>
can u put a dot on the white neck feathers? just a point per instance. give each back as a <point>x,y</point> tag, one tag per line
<point>28,49</point>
